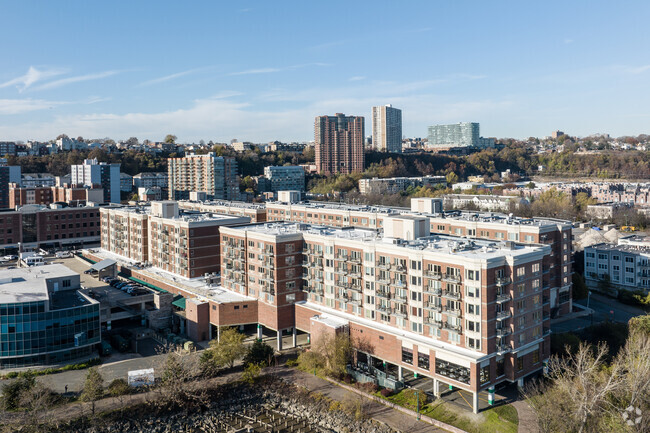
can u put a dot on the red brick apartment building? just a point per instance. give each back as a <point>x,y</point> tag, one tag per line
<point>183,243</point>
<point>339,144</point>
<point>466,313</point>
<point>476,225</point>
<point>58,225</point>
<point>20,196</point>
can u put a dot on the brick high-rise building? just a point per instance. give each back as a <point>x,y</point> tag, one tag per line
<point>214,175</point>
<point>339,144</point>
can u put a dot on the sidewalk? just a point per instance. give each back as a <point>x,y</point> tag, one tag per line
<point>393,418</point>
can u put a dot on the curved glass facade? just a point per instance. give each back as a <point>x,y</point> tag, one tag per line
<point>30,335</point>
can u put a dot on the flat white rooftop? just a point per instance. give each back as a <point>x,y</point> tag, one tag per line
<point>29,284</point>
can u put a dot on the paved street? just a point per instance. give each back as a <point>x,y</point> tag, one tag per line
<point>604,308</point>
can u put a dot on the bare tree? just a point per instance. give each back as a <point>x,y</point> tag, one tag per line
<point>93,387</point>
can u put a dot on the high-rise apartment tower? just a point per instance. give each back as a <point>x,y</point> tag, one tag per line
<point>387,129</point>
<point>339,144</point>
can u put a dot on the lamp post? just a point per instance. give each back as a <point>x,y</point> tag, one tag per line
<point>417,397</point>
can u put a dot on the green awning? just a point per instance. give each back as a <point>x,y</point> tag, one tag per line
<point>144,283</point>
<point>180,303</point>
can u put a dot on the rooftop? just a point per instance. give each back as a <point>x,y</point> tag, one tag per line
<point>29,284</point>
<point>632,248</point>
<point>237,204</point>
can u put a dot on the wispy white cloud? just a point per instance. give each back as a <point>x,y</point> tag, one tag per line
<point>77,79</point>
<point>273,70</point>
<point>32,76</point>
<point>19,106</point>
<point>637,69</point>
<point>245,10</point>
<point>568,41</point>
<point>357,78</point>
<point>172,76</point>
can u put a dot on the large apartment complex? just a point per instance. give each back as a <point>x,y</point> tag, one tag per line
<point>387,129</point>
<point>339,144</point>
<point>466,313</point>
<point>184,243</point>
<point>216,176</point>
<point>394,185</point>
<point>624,266</point>
<point>474,225</point>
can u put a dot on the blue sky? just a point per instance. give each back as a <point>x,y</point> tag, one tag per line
<point>261,71</point>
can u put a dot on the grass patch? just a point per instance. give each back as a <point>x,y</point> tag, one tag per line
<point>69,367</point>
<point>501,419</point>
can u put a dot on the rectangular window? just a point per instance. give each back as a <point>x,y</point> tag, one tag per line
<point>407,356</point>
<point>520,364</point>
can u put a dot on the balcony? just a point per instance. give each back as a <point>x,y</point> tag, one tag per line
<point>385,266</point>
<point>433,291</point>
<point>354,301</point>
<point>355,274</point>
<point>546,316</point>
<point>400,298</point>
<point>546,300</point>
<point>399,313</point>
<point>400,269</point>
<point>433,321</point>
<point>452,311</point>
<point>451,295</point>
<point>432,306</point>
<point>503,349</point>
<point>503,332</point>
<point>433,275</point>
<point>383,308</point>
<point>355,287</point>
<point>449,326</point>
<point>356,260</point>
<point>503,281</point>
<point>546,331</point>
<point>504,297</point>
<point>384,280</point>
<point>451,278</point>
<point>503,315</point>
<point>383,294</point>
<point>398,283</point>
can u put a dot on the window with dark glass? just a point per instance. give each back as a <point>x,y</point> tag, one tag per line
<point>423,361</point>
<point>407,355</point>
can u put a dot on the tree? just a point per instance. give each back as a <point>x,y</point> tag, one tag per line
<point>580,290</point>
<point>259,353</point>
<point>452,178</point>
<point>93,387</point>
<point>251,373</point>
<point>224,351</point>
<point>11,392</point>
<point>170,139</point>
<point>178,387</point>
<point>36,400</point>
<point>119,388</point>
<point>336,352</point>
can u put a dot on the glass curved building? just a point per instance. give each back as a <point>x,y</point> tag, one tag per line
<point>44,319</point>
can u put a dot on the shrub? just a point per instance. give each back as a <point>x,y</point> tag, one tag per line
<point>368,387</point>
<point>259,353</point>
<point>251,373</point>
<point>386,392</point>
<point>11,392</point>
<point>347,378</point>
<point>334,406</point>
<point>310,361</point>
<point>293,362</point>
<point>118,387</point>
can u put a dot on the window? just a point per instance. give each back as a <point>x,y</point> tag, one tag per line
<point>520,364</point>
<point>407,356</point>
<point>474,343</point>
<point>521,271</point>
<point>66,283</point>
<point>536,356</point>
<point>423,361</point>
<point>473,326</point>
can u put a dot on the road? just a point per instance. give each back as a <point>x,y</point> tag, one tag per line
<point>605,309</point>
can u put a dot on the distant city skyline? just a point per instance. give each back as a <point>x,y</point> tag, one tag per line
<point>261,71</point>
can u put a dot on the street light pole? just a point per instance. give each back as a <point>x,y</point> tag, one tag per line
<point>417,397</point>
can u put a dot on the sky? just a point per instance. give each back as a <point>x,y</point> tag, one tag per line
<point>261,71</point>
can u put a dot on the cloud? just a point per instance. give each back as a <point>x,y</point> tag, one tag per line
<point>32,76</point>
<point>357,78</point>
<point>273,70</point>
<point>568,41</point>
<point>77,79</point>
<point>171,76</point>
<point>637,70</point>
<point>19,106</point>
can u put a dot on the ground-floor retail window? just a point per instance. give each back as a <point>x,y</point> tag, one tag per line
<point>452,371</point>
<point>423,361</point>
<point>407,355</point>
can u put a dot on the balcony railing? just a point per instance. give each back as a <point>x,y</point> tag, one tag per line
<point>503,348</point>
<point>400,269</point>
<point>433,306</point>
<point>503,281</point>
<point>503,332</point>
<point>456,328</point>
<point>451,278</point>
<point>432,290</point>
<point>434,275</point>
<point>383,308</point>
<point>383,266</point>
<point>503,315</point>
<point>453,311</point>
<point>383,294</point>
<point>355,260</point>
<point>450,295</point>
<point>399,313</point>
<point>433,321</point>
<point>400,298</point>
<point>504,297</point>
